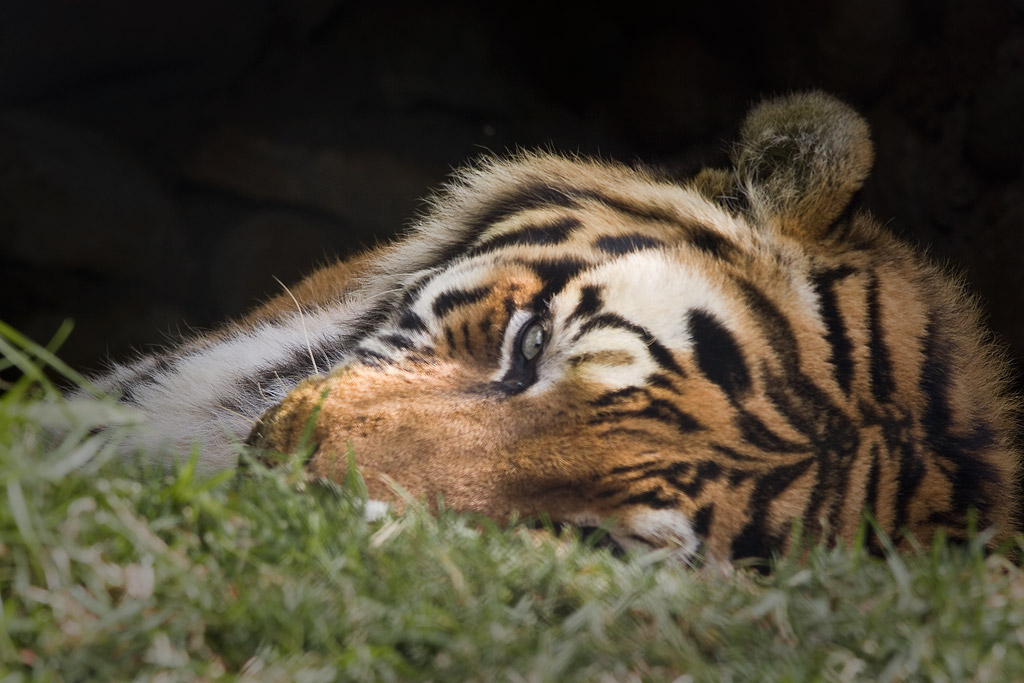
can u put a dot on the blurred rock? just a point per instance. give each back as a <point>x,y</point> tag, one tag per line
<point>110,47</point>
<point>675,91</point>
<point>277,247</point>
<point>996,141</point>
<point>70,199</point>
<point>860,44</point>
<point>368,189</point>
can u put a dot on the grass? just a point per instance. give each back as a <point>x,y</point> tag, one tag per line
<point>112,571</point>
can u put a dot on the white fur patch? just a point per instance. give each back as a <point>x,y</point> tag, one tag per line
<point>186,404</point>
<point>614,376</point>
<point>651,289</point>
<point>659,529</point>
<point>654,289</point>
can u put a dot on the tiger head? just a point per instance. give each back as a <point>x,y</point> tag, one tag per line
<point>694,365</point>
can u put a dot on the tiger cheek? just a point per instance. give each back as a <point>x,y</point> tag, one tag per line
<point>432,432</point>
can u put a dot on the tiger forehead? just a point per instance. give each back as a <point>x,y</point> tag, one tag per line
<point>599,224</point>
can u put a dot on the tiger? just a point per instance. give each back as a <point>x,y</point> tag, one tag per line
<point>699,365</point>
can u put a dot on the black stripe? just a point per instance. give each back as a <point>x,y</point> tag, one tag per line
<point>663,411</point>
<point>510,307</point>
<point>901,448</point>
<point>524,198</point>
<point>619,396</point>
<point>707,471</point>
<point>755,540</point>
<point>397,341</point>
<point>934,384</point>
<point>645,212</point>
<point>660,381</point>
<point>287,371</point>
<point>732,453</point>
<point>702,520</point>
<point>658,410</point>
<point>539,195</point>
<point>555,274</point>
<point>841,357</point>
<point>411,321</point>
<point>774,325</point>
<point>711,242</point>
<point>661,355</point>
<point>737,476</point>
<point>651,499</point>
<point>807,408</point>
<point>880,363</point>
<point>412,291</point>
<point>365,325</point>
<point>449,336</point>
<point>127,391</point>
<point>971,475</point>
<point>625,244</point>
<point>371,357</point>
<point>553,233</point>
<point>589,304</point>
<point>455,298</point>
<point>756,433</point>
<point>486,326</point>
<point>811,412</point>
<point>908,478</point>
<point>296,364</point>
<point>798,398</point>
<point>543,195</point>
<point>623,469</point>
<point>672,472</point>
<point>718,355</point>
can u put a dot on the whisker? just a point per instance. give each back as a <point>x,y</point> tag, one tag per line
<point>302,320</point>
<point>236,413</point>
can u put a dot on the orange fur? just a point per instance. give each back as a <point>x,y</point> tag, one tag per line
<point>782,358</point>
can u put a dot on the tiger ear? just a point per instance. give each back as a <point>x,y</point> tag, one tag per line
<point>800,159</point>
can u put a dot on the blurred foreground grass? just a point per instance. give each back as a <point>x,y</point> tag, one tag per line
<point>111,570</point>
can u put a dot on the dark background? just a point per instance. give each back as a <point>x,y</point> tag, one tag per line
<point>161,161</point>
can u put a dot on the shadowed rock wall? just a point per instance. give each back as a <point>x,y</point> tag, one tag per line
<point>161,163</point>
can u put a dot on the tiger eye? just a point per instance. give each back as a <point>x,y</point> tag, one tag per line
<point>533,341</point>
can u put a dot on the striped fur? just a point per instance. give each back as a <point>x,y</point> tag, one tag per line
<point>696,364</point>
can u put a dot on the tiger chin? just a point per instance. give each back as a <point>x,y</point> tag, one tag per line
<point>697,365</point>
